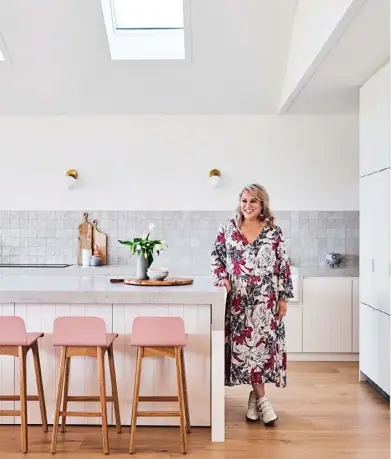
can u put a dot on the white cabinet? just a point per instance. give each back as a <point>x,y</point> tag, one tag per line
<point>375,346</point>
<point>327,314</point>
<point>374,123</point>
<point>375,240</point>
<point>294,328</point>
<point>368,341</point>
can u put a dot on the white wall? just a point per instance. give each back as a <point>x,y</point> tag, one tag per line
<point>314,23</point>
<point>162,162</point>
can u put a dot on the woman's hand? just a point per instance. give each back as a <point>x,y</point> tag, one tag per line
<point>282,308</point>
<point>224,283</point>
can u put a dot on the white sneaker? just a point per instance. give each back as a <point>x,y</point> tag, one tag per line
<point>253,413</point>
<point>266,410</point>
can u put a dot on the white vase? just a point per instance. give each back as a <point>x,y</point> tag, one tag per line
<point>142,266</point>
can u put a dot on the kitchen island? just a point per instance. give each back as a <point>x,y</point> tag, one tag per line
<point>39,299</point>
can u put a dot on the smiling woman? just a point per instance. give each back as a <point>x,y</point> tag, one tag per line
<point>249,258</point>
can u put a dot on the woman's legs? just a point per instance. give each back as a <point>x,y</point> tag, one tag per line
<point>259,390</point>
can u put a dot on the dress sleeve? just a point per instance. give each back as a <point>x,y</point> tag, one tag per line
<point>219,256</point>
<point>285,286</point>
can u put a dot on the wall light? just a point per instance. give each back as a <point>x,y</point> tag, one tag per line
<point>214,177</point>
<point>71,175</point>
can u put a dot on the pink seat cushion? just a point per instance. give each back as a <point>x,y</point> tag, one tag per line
<point>158,331</point>
<point>81,332</point>
<point>13,332</point>
<point>31,337</point>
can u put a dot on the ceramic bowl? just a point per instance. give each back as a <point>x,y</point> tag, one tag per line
<point>157,274</point>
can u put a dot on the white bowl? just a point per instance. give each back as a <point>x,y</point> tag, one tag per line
<point>157,274</point>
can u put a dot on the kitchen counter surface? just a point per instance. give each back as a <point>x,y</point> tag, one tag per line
<point>129,271</point>
<point>30,289</point>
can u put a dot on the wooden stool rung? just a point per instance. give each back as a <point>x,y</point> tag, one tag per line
<point>16,398</point>
<point>87,398</point>
<point>158,414</point>
<point>158,398</point>
<point>10,413</point>
<point>88,414</point>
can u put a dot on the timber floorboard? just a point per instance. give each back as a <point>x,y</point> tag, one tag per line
<point>324,413</point>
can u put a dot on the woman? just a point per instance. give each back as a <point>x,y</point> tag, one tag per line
<point>249,259</point>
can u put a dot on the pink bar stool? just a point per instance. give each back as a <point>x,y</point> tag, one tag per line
<point>84,336</point>
<point>162,337</point>
<point>16,342</point>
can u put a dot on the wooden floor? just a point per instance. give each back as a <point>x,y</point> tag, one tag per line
<point>324,413</point>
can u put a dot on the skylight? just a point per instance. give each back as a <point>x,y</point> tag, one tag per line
<point>148,14</point>
<point>146,29</point>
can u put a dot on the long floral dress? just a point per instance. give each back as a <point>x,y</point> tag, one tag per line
<point>259,273</point>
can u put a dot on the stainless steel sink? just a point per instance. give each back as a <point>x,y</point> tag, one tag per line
<point>34,265</point>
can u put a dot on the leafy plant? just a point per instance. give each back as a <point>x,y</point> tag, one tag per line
<point>145,246</point>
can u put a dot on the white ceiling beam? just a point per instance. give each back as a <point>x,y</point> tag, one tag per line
<point>317,28</point>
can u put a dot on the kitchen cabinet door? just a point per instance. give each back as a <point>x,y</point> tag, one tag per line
<point>368,341</point>
<point>380,193</point>
<point>327,314</point>
<point>383,351</point>
<point>294,328</point>
<point>366,239</point>
<point>374,123</point>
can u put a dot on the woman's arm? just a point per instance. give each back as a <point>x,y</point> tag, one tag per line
<point>219,257</point>
<point>285,286</point>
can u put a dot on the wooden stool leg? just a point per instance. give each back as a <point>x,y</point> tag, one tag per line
<point>114,389</point>
<point>38,377</point>
<point>136,393</point>
<point>23,397</point>
<point>185,392</point>
<point>103,400</point>
<point>66,390</point>
<point>181,399</point>
<point>58,400</point>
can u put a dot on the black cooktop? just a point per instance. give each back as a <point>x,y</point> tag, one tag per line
<point>34,265</point>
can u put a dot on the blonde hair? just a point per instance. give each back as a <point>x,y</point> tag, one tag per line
<point>260,194</point>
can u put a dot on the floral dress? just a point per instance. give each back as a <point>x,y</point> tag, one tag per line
<point>259,273</point>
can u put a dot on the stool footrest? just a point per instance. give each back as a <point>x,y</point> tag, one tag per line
<point>10,413</point>
<point>88,414</point>
<point>87,398</point>
<point>158,398</point>
<point>16,398</point>
<point>159,414</point>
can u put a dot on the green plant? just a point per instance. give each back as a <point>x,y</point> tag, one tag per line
<point>144,246</point>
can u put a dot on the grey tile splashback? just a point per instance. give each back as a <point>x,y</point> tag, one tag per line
<point>51,236</point>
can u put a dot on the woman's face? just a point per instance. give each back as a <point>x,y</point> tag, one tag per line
<point>250,207</point>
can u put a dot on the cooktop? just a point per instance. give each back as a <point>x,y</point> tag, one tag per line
<point>34,265</point>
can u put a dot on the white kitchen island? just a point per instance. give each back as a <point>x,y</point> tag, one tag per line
<point>39,299</point>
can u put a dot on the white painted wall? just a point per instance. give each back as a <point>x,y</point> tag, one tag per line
<point>162,162</point>
<point>314,23</point>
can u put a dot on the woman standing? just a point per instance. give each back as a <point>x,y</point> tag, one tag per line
<point>249,258</point>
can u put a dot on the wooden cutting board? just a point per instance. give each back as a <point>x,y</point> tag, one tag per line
<point>84,237</point>
<point>168,281</point>
<point>99,239</point>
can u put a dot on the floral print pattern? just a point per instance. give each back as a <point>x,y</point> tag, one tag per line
<point>259,273</point>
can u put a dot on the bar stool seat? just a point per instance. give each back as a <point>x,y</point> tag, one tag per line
<point>16,342</point>
<point>162,337</point>
<point>84,336</point>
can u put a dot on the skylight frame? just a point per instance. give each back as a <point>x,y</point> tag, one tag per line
<point>148,45</point>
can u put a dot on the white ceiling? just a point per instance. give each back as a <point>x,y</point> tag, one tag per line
<point>57,61</point>
<point>361,50</point>
<point>61,62</point>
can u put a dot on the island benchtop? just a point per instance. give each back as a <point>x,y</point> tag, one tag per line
<point>59,289</point>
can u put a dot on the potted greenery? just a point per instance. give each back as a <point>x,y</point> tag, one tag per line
<point>144,247</point>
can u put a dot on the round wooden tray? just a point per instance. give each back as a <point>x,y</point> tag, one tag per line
<point>168,281</point>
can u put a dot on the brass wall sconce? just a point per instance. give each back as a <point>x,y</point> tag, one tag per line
<point>71,175</point>
<point>214,177</point>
